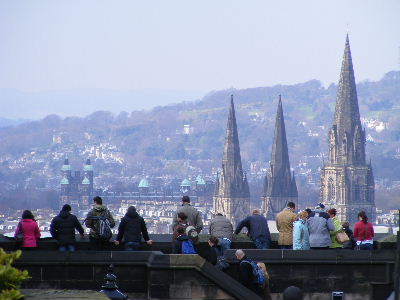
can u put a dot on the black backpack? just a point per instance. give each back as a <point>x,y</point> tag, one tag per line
<point>104,232</point>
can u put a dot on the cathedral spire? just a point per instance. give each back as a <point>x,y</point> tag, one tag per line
<point>347,114</point>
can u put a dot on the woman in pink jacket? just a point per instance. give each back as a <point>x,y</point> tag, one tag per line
<point>30,230</point>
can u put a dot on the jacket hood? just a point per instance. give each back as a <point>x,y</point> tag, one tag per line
<point>64,214</point>
<point>28,220</point>
<point>131,213</point>
<point>99,208</point>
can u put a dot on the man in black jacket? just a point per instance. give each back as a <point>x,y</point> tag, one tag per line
<point>63,227</point>
<point>131,228</point>
<point>246,272</point>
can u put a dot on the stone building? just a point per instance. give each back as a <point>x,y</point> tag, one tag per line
<point>279,182</point>
<point>232,195</point>
<point>77,188</point>
<point>347,181</point>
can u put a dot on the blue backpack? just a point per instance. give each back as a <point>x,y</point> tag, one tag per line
<point>258,274</point>
<point>187,247</point>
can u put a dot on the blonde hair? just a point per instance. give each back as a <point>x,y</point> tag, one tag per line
<point>262,266</point>
<point>303,214</point>
<point>256,211</point>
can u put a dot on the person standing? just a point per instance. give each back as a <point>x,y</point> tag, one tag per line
<point>63,227</point>
<point>301,239</point>
<point>364,232</point>
<point>258,230</point>
<point>182,244</point>
<point>350,243</point>
<point>131,228</point>
<point>222,228</point>
<point>29,230</point>
<point>246,274</point>
<point>338,228</point>
<point>97,216</point>
<point>284,224</point>
<point>319,224</point>
<point>193,215</point>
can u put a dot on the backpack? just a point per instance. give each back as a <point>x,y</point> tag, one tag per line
<point>258,274</point>
<point>187,247</point>
<point>192,234</point>
<point>103,226</point>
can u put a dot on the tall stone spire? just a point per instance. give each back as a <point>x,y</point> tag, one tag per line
<point>232,194</point>
<point>346,180</point>
<point>279,184</point>
<point>347,125</point>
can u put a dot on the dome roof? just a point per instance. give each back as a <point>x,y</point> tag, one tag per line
<point>64,180</point>
<point>144,183</point>
<point>185,182</point>
<point>85,181</point>
<point>200,180</point>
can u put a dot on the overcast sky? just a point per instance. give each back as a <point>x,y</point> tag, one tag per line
<point>192,45</point>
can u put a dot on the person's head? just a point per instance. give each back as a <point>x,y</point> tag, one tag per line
<point>303,215</point>
<point>185,199</point>
<point>219,214</point>
<point>180,230</point>
<point>256,212</point>
<point>292,293</point>
<point>27,214</point>
<point>332,212</point>
<point>182,217</point>
<point>362,216</point>
<point>320,206</point>
<point>97,200</point>
<point>346,224</point>
<point>131,210</point>
<point>239,254</point>
<point>291,205</point>
<point>308,210</point>
<point>66,208</point>
<point>213,241</point>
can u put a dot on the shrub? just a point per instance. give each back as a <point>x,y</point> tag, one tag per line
<point>10,277</point>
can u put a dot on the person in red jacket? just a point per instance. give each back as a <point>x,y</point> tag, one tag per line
<point>30,230</point>
<point>363,232</point>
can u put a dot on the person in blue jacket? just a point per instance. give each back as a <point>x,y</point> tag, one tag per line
<point>301,238</point>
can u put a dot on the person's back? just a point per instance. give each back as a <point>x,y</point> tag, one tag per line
<point>131,228</point>
<point>319,224</point>
<point>221,227</point>
<point>93,221</point>
<point>284,224</point>
<point>300,235</point>
<point>182,244</point>
<point>258,230</point>
<point>193,215</point>
<point>364,232</point>
<point>63,227</point>
<point>30,230</point>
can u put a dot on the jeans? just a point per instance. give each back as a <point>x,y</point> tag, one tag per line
<point>131,246</point>
<point>225,244</point>
<point>70,248</point>
<point>366,246</point>
<point>262,243</point>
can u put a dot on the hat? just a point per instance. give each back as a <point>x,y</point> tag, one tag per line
<point>320,206</point>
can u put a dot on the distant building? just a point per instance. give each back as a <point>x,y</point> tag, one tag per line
<point>279,183</point>
<point>232,195</point>
<point>347,181</point>
<point>77,188</point>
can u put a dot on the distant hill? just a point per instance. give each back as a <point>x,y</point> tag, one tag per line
<point>154,142</point>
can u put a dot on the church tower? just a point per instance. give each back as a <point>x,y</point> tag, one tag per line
<point>347,181</point>
<point>232,196</point>
<point>279,182</point>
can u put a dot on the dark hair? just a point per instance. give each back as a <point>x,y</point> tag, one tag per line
<point>98,200</point>
<point>363,216</point>
<point>182,216</point>
<point>308,210</point>
<point>66,207</point>
<point>186,199</point>
<point>291,205</point>
<point>27,214</point>
<point>219,214</point>
<point>346,224</point>
<point>332,211</point>
<point>213,240</point>
<point>180,230</point>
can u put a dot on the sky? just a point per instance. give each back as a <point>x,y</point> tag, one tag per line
<point>186,48</point>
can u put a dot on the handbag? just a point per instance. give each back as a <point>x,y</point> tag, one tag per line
<point>19,238</point>
<point>341,237</point>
